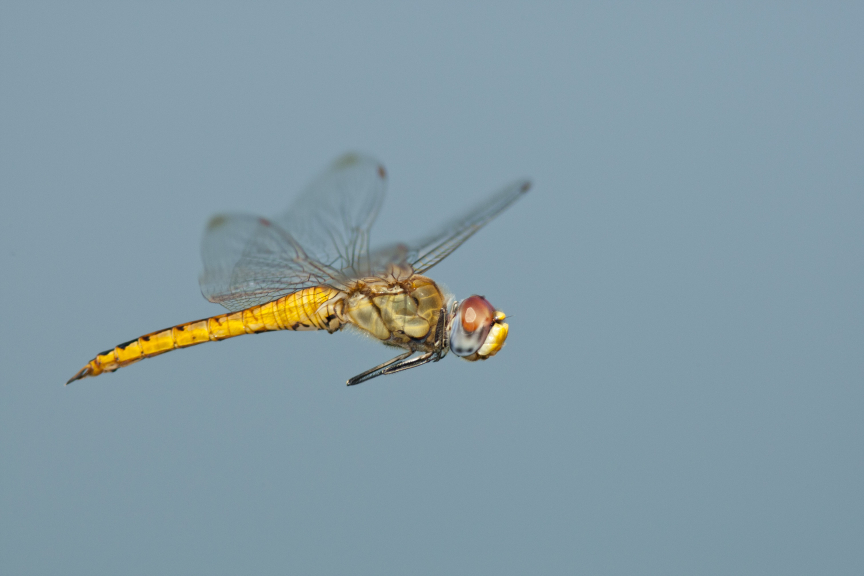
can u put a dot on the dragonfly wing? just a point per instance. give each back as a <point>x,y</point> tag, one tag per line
<point>332,217</point>
<point>322,239</point>
<point>429,251</point>
<point>250,260</point>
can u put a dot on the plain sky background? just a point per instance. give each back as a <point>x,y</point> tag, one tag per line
<point>683,386</point>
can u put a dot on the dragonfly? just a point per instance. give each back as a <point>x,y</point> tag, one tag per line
<point>311,268</point>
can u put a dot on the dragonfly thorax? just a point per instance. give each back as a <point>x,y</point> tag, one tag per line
<point>399,312</point>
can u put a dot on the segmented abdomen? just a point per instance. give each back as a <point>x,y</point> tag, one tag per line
<point>317,308</point>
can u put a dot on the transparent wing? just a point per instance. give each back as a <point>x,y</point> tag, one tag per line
<point>332,217</point>
<point>430,250</point>
<point>322,239</point>
<point>249,260</point>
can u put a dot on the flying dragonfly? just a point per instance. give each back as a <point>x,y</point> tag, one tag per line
<point>311,268</point>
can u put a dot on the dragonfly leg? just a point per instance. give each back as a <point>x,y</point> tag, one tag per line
<point>398,364</point>
<point>402,362</point>
<point>412,363</point>
<point>441,340</point>
<point>377,370</point>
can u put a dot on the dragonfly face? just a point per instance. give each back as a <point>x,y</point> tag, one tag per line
<point>477,330</point>
<point>311,268</point>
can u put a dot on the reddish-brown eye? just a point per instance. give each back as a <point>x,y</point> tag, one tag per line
<point>476,313</point>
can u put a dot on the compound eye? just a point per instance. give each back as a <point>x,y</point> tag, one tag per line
<point>477,313</point>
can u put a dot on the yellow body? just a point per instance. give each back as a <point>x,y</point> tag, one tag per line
<point>315,308</point>
<point>400,310</point>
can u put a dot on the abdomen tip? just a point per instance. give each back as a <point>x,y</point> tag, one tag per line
<point>83,373</point>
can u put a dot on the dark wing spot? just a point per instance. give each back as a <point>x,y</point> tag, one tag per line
<point>381,172</point>
<point>264,221</point>
<point>216,222</point>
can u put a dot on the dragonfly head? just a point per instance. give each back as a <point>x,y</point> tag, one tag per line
<point>477,330</point>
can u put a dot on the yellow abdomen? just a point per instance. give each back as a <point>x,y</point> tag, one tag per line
<point>317,308</point>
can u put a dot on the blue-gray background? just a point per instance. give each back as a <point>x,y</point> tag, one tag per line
<point>682,390</point>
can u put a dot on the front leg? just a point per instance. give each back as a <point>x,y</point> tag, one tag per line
<point>377,370</point>
<point>442,344</point>
<point>401,362</point>
<point>398,364</point>
<point>412,363</point>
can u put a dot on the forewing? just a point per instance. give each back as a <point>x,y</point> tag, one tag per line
<point>429,251</point>
<point>249,260</point>
<point>324,238</point>
<point>332,217</point>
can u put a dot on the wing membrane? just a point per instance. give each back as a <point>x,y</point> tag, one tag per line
<point>429,251</point>
<point>332,217</point>
<point>249,260</point>
<point>322,239</point>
